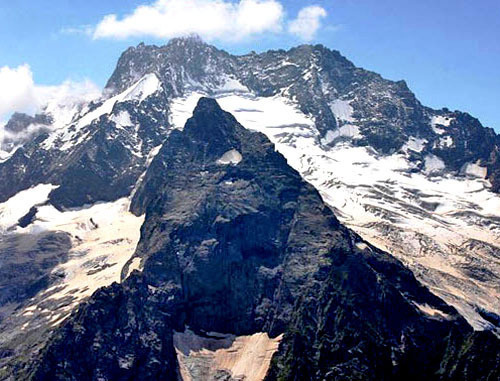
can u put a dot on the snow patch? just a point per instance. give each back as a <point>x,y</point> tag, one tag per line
<point>414,144</point>
<point>362,246</point>
<point>230,157</point>
<point>146,86</point>
<point>104,237</point>
<point>272,114</point>
<point>342,110</point>
<point>433,164</point>
<point>19,205</point>
<point>476,170</point>
<point>134,265</point>
<point>439,121</point>
<point>231,85</point>
<point>122,119</point>
<point>430,311</point>
<point>445,142</point>
<point>346,131</point>
<point>4,156</point>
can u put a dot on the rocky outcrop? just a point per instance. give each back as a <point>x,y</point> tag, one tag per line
<point>245,246</point>
<point>26,264</point>
<point>22,128</point>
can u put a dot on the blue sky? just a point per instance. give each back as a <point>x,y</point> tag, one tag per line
<point>448,51</point>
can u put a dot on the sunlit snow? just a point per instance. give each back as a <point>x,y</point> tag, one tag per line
<point>20,204</point>
<point>230,157</point>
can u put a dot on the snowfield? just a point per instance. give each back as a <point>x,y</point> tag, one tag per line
<point>104,237</point>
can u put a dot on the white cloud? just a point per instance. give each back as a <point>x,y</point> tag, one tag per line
<point>18,92</point>
<point>211,19</point>
<point>307,23</point>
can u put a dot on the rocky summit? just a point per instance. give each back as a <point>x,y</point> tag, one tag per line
<point>241,244</point>
<point>325,226</point>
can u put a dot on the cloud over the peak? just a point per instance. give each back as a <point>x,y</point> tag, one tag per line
<point>211,19</point>
<point>19,92</point>
<point>307,23</point>
<point>16,90</point>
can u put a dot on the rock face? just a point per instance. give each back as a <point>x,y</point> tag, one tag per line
<point>22,128</point>
<point>99,156</point>
<point>247,246</point>
<point>26,264</point>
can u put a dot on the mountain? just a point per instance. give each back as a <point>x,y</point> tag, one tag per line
<point>236,242</point>
<point>419,183</point>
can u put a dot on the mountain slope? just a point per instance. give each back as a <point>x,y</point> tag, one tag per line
<point>417,182</point>
<point>235,241</point>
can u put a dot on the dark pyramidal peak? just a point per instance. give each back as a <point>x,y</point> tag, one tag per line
<point>235,242</point>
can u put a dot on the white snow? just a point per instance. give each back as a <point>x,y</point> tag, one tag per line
<point>104,237</point>
<point>122,119</point>
<point>182,109</point>
<point>139,91</point>
<point>257,113</point>
<point>146,86</point>
<point>231,85</point>
<point>134,265</point>
<point>342,110</point>
<point>433,312</point>
<point>446,141</point>
<point>414,144</point>
<point>433,164</point>
<point>230,157</point>
<point>476,170</point>
<point>4,156</point>
<point>346,131</point>
<point>439,121</point>
<point>243,357</point>
<point>20,204</point>
<point>362,246</point>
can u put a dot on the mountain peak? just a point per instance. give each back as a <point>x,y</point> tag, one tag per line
<point>207,105</point>
<point>212,126</point>
<point>191,39</point>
